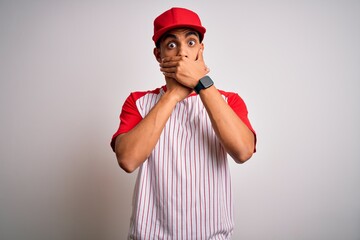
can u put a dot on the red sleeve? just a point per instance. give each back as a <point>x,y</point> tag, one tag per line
<point>129,117</point>
<point>239,107</point>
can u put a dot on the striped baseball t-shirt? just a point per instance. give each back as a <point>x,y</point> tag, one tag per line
<point>183,190</point>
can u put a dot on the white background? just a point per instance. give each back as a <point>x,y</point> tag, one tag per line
<point>67,66</point>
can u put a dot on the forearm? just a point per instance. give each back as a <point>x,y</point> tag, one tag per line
<point>134,147</point>
<point>235,136</point>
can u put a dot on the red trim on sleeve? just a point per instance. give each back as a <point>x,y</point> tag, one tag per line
<point>130,115</point>
<point>239,107</point>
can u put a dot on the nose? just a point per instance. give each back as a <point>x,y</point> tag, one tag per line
<point>182,51</point>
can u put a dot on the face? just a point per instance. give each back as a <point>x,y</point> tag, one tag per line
<point>179,42</point>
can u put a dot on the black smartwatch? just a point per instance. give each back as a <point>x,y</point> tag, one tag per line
<point>204,82</point>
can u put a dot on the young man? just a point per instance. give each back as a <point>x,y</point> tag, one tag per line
<point>179,135</point>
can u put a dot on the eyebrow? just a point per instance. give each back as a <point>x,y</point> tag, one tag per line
<point>173,36</point>
<point>192,33</point>
<point>169,35</point>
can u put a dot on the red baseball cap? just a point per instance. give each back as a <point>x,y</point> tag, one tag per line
<point>177,18</point>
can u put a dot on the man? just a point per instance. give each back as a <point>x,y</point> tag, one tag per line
<point>179,136</point>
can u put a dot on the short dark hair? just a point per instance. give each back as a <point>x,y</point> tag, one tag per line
<point>157,44</point>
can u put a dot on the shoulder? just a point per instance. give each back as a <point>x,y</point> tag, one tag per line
<point>233,99</point>
<point>230,95</point>
<point>134,96</point>
<point>226,93</point>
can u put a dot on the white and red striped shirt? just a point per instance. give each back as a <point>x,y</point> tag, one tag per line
<point>183,190</point>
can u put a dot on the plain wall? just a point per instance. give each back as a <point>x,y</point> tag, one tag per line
<point>67,66</point>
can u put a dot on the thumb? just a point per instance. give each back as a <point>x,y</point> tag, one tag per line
<point>200,55</point>
<point>207,70</point>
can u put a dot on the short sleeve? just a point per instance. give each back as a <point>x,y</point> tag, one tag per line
<point>239,107</point>
<point>129,118</point>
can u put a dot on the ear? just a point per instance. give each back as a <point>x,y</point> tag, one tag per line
<point>202,46</point>
<point>157,54</point>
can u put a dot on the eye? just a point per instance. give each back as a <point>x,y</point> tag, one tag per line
<point>191,43</point>
<point>171,45</point>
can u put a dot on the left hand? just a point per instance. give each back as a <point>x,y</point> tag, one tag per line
<point>184,70</point>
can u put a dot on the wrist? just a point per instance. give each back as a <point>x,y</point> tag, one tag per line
<point>175,95</point>
<point>203,83</point>
<point>170,96</point>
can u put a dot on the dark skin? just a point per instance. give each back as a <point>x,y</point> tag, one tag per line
<point>180,57</point>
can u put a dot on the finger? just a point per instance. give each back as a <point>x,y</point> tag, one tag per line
<point>170,59</point>
<point>168,69</point>
<point>170,75</point>
<point>169,64</point>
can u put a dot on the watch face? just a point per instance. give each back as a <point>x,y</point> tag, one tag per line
<point>206,82</point>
